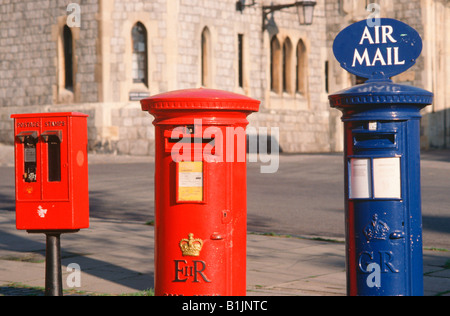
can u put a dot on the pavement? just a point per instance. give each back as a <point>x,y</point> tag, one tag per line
<point>116,258</point>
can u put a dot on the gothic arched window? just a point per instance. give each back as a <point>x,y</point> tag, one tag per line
<point>275,65</point>
<point>139,61</point>
<point>302,72</point>
<point>68,58</point>
<point>206,58</point>
<point>287,66</point>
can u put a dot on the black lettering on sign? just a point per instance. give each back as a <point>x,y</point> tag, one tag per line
<point>28,124</point>
<point>194,271</point>
<point>54,123</point>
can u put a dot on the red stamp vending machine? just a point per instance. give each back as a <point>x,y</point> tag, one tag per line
<point>51,171</point>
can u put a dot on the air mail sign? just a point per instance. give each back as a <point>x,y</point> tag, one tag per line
<point>377,50</point>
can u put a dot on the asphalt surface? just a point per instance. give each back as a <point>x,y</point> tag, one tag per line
<point>305,197</point>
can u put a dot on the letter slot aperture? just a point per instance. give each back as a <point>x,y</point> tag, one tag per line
<point>53,140</point>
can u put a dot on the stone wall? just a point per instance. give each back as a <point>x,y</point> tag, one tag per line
<point>31,71</point>
<point>174,60</point>
<point>29,34</point>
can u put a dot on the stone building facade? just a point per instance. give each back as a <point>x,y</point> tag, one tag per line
<point>100,56</point>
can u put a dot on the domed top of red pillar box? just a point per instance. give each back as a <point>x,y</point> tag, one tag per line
<point>198,100</point>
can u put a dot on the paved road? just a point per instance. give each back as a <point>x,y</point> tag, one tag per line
<point>304,197</point>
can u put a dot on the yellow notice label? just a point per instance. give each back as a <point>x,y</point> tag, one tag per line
<point>190,181</point>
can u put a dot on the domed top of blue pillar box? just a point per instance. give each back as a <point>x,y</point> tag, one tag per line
<point>377,50</point>
<point>381,100</point>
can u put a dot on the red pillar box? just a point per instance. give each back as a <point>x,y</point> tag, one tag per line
<point>51,171</point>
<point>200,191</point>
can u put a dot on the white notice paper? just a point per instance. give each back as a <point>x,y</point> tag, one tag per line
<point>386,178</point>
<point>360,180</point>
<point>190,179</point>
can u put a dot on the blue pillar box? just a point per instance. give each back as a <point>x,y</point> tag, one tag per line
<point>381,160</point>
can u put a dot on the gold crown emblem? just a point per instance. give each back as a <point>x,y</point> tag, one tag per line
<point>191,246</point>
